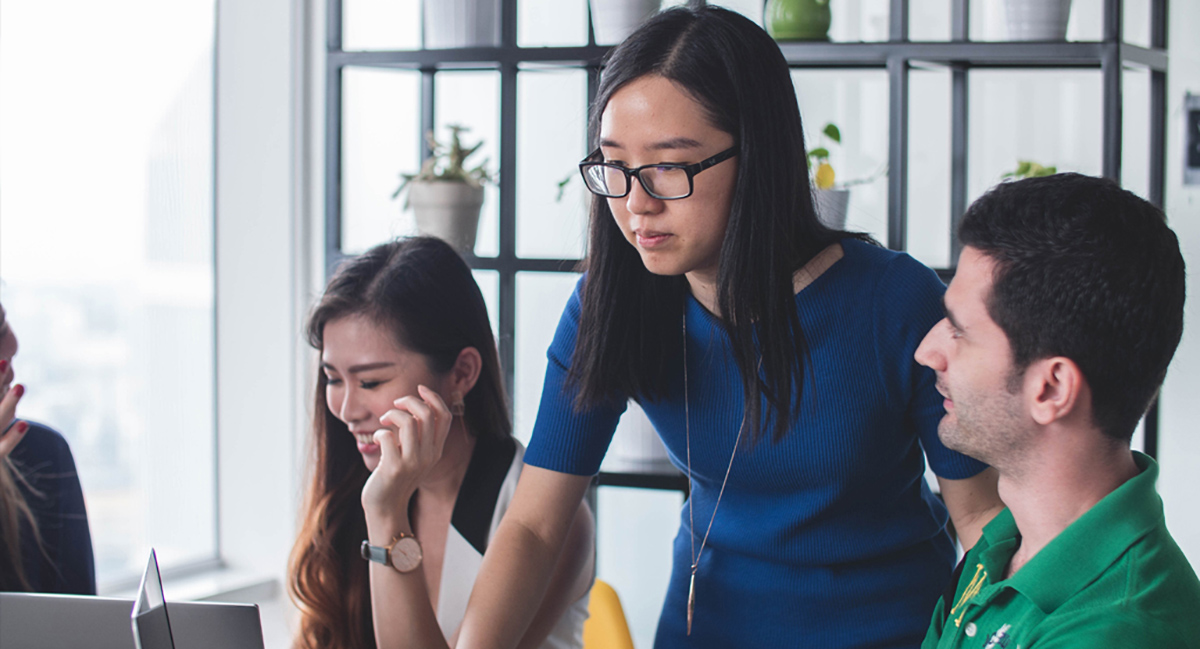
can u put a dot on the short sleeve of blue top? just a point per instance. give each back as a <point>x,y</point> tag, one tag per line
<point>829,538</point>
<point>64,563</point>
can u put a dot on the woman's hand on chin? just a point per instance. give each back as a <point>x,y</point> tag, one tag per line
<point>410,444</point>
<point>12,430</point>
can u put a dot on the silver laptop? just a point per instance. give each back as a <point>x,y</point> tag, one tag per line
<point>38,621</point>
<point>151,624</point>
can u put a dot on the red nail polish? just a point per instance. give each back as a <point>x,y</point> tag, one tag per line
<point>22,427</point>
<point>19,389</point>
<point>3,365</point>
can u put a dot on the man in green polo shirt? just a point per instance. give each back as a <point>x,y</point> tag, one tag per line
<point>1063,315</point>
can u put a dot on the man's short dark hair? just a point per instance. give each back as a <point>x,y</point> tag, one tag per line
<point>1088,271</point>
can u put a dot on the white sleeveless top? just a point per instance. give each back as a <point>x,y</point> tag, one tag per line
<point>484,496</point>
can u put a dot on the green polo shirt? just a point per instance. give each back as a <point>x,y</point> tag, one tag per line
<point>1113,578</point>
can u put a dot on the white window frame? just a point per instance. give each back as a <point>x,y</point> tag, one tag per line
<point>264,278</point>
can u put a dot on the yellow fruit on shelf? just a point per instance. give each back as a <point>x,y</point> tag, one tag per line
<point>825,176</point>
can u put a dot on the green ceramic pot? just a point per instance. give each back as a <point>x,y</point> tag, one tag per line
<point>797,20</point>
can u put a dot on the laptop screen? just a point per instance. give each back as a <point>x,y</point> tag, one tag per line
<point>151,626</point>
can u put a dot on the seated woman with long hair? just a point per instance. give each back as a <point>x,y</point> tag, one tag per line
<point>413,460</point>
<point>45,541</point>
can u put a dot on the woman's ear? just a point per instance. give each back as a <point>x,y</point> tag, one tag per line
<point>465,372</point>
<point>1058,389</point>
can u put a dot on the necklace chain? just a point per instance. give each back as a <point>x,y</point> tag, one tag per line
<point>687,428</point>
<point>805,276</point>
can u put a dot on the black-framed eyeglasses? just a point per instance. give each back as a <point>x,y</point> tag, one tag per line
<point>664,181</point>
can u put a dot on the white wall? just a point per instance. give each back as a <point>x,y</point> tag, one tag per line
<point>1179,437</point>
<point>261,264</point>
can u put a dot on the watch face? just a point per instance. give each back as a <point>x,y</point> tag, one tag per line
<point>406,554</point>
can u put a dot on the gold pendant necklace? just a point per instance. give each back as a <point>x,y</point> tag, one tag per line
<point>687,428</point>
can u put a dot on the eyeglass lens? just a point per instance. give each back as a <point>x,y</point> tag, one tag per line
<point>660,182</point>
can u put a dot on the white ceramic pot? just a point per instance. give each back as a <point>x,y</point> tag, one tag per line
<point>1037,20</point>
<point>614,20</point>
<point>831,207</point>
<point>461,23</point>
<point>448,210</point>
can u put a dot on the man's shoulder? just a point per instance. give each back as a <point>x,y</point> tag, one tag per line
<point>1118,627</point>
<point>1155,573</point>
<point>1149,597</point>
<point>1159,581</point>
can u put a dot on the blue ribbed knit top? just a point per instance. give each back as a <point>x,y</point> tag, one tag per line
<point>829,538</point>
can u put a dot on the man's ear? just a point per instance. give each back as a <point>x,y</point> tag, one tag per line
<point>1056,386</point>
<point>465,371</point>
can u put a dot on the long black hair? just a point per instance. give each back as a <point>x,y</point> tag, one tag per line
<point>424,293</point>
<point>630,325</point>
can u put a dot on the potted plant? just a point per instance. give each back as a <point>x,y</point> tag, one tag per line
<point>1037,20</point>
<point>1030,169</point>
<point>614,20</point>
<point>445,194</point>
<point>461,23</point>
<point>832,198</point>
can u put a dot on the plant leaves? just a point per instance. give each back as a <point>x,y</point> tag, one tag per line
<point>562,187</point>
<point>831,131</point>
<point>448,162</point>
<point>1030,169</point>
<point>819,152</point>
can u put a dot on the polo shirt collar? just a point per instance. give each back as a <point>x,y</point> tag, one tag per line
<point>1090,545</point>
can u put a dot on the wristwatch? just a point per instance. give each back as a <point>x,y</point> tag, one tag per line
<point>404,554</point>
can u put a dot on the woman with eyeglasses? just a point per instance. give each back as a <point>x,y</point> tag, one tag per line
<point>773,355</point>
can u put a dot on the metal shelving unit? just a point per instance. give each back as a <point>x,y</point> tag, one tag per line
<point>897,56</point>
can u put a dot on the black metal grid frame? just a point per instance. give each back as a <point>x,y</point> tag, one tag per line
<point>897,56</point>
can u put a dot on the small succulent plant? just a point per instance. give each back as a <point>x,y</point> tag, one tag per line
<point>448,162</point>
<point>818,158</point>
<point>1030,169</point>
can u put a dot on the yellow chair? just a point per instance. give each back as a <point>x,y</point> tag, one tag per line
<point>605,627</point>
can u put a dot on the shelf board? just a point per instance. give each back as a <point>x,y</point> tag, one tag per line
<point>512,264</point>
<point>677,482</point>
<point>1154,59</point>
<point>472,58</point>
<point>973,54</point>
<point>970,54</point>
<point>658,473</point>
<point>522,264</point>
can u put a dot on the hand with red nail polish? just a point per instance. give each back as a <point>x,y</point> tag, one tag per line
<point>13,430</point>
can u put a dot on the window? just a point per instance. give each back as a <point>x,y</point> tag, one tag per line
<point>106,242</point>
